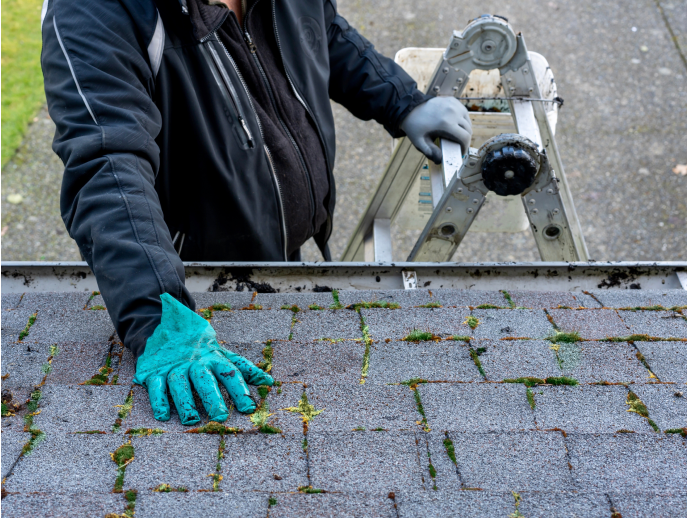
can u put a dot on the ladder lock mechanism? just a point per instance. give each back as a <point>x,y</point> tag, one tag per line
<point>509,171</point>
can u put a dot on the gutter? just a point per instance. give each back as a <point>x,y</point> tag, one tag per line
<point>25,276</point>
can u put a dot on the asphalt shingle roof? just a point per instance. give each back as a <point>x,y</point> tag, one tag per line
<point>448,425</point>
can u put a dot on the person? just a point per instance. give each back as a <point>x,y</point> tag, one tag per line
<point>196,130</point>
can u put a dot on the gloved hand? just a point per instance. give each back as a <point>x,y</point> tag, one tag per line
<point>184,347</point>
<point>440,117</point>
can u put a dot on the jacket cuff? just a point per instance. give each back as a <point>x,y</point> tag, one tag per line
<point>405,105</point>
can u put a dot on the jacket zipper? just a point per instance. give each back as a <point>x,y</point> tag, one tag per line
<point>253,51</point>
<point>262,135</point>
<point>231,91</point>
<point>305,105</point>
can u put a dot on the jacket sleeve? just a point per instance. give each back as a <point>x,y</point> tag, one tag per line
<point>98,63</point>
<point>368,84</point>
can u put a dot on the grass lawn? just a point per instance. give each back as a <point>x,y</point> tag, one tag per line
<point>22,79</point>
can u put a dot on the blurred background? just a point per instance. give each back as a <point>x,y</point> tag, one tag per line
<point>620,65</point>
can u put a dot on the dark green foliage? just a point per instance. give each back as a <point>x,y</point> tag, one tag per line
<point>337,304</point>
<point>310,490</point>
<point>530,398</point>
<point>475,358</point>
<point>293,308</point>
<point>25,332</point>
<point>272,501</point>
<point>488,306</point>
<point>460,338</point>
<point>565,338</point>
<point>433,304</point>
<point>417,335</point>
<point>562,380</point>
<point>450,450</point>
<point>508,298</point>
<point>269,429</point>
<point>377,304</point>
<point>681,431</point>
<point>473,322</point>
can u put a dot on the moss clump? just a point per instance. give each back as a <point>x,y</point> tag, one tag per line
<point>530,398</point>
<point>359,429</point>
<point>474,354</point>
<point>36,438</point>
<point>310,490</point>
<point>630,338</point>
<point>214,428</point>
<point>143,432</point>
<point>92,432</point>
<point>460,338</point>
<point>130,497</point>
<point>531,382</point>
<point>206,313</point>
<point>471,321</point>
<point>681,431</point>
<point>34,398</point>
<point>417,335</point>
<point>488,306</point>
<point>272,501</point>
<point>315,307</point>
<point>368,344</point>
<point>337,304</point>
<point>103,375</point>
<point>25,332</point>
<point>267,353</point>
<point>124,411</point>
<point>166,488</point>
<point>638,407</point>
<point>263,390</point>
<point>253,307</point>
<point>636,404</point>
<point>420,409</point>
<point>292,308</point>
<point>508,298</point>
<point>97,307</point>
<point>561,337</point>
<point>431,305</point>
<point>307,410</point>
<point>122,456</point>
<point>259,419</point>
<point>376,304</point>
<point>450,450</point>
<point>516,513</point>
<point>647,308</point>
<point>562,380</point>
<point>6,412</point>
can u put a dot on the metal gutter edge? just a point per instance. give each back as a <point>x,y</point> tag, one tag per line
<point>20,277</point>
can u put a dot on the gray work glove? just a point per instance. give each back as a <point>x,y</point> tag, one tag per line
<point>440,117</point>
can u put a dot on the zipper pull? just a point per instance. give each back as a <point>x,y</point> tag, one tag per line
<point>249,42</point>
<point>247,131</point>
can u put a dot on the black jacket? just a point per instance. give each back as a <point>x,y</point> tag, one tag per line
<point>160,140</point>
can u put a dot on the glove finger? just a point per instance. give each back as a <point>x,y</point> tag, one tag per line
<point>206,385</point>
<point>157,394</point>
<point>250,372</point>
<point>430,149</point>
<point>233,381</point>
<point>180,388</point>
<point>456,134</point>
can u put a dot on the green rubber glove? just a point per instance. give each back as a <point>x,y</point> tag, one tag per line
<point>184,348</point>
